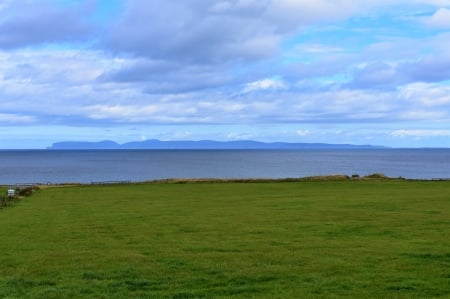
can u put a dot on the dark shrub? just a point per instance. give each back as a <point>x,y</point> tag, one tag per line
<point>25,191</point>
<point>377,176</point>
<point>3,201</point>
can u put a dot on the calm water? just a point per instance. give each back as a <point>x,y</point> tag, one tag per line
<point>42,166</point>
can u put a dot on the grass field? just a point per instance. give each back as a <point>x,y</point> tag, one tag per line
<point>352,239</point>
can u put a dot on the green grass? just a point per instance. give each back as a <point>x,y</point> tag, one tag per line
<point>349,239</point>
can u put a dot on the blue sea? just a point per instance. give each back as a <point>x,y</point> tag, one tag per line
<point>87,166</point>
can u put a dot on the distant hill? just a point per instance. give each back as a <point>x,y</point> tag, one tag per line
<point>80,145</point>
<point>202,144</point>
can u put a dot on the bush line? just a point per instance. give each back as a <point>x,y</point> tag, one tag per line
<point>20,193</point>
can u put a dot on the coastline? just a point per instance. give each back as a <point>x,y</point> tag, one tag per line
<point>320,178</point>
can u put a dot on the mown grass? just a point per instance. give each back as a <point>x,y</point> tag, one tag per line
<point>335,239</point>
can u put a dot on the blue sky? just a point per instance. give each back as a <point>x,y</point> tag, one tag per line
<point>370,72</point>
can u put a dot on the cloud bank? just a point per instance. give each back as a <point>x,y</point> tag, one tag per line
<point>281,63</point>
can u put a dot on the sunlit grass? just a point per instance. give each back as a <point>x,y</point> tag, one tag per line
<point>364,239</point>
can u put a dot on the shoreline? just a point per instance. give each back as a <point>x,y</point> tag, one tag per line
<point>319,178</point>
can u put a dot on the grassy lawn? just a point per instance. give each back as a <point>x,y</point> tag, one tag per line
<point>352,239</point>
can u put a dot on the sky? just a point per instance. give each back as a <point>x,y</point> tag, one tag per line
<point>334,71</point>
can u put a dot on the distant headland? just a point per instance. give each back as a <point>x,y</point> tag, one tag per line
<point>200,145</point>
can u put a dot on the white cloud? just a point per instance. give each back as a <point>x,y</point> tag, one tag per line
<point>265,84</point>
<point>427,95</point>
<point>421,133</point>
<point>239,136</point>
<point>11,118</point>
<point>303,133</point>
<point>122,112</point>
<point>48,66</point>
<point>440,19</point>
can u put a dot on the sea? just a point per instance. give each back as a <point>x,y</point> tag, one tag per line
<point>97,166</point>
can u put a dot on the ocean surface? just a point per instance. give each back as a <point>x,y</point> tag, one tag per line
<point>87,166</point>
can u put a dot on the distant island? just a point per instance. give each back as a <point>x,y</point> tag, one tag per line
<point>200,145</point>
